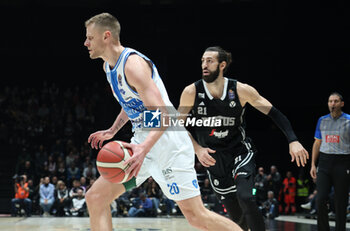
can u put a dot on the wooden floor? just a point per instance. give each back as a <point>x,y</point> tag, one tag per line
<point>282,223</point>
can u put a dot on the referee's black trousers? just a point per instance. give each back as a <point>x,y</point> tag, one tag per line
<point>333,170</point>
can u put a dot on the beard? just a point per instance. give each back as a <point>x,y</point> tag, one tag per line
<point>212,75</point>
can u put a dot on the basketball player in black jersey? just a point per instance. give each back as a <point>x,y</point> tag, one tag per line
<point>225,150</point>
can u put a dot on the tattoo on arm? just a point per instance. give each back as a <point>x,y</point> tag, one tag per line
<point>120,124</point>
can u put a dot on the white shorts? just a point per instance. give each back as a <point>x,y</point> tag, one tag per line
<point>171,164</point>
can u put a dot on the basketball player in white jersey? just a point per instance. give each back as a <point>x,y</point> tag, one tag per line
<point>167,156</point>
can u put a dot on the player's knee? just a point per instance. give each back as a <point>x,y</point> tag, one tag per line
<point>198,218</point>
<point>93,197</point>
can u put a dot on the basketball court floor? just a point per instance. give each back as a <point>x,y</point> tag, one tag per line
<point>282,223</point>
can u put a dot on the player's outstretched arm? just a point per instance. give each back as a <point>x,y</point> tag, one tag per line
<point>186,105</point>
<point>96,139</point>
<point>250,95</point>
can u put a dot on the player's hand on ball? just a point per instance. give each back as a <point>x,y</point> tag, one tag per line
<point>204,157</point>
<point>298,153</point>
<point>136,161</point>
<point>96,139</point>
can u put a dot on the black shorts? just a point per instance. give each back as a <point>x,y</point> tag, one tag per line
<point>229,167</point>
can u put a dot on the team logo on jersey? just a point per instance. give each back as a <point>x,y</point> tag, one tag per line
<point>195,183</point>
<point>201,104</point>
<point>151,119</point>
<point>120,80</point>
<point>201,95</point>
<point>231,94</point>
<point>232,104</point>
<point>216,182</point>
<point>122,91</point>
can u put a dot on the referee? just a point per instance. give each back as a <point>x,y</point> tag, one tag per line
<point>332,148</point>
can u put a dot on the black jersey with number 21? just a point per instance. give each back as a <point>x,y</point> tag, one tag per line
<point>228,109</point>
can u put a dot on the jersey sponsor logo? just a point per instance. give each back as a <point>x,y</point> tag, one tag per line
<point>220,134</point>
<point>231,94</point>
<point>332,139</point>
<point>201,95</point>
<point>151,119</point>
<point>173,189</point>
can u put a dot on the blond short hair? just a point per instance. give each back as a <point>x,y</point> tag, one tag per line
<point>107,22</point>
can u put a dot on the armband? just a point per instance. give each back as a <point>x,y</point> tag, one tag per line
<point>283,123</point>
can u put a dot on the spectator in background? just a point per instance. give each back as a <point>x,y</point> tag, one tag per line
<point>22,158</point>
<point>51,164</point>
<point>28,170</point>
<point>78,204</point>
<point>74,190</point>
<point>261,186</point>
<point>269,208</point>
<point>90,171</point>
<point>58,147</point>
<point>303,186</point>
<point>70,158</point>
<point>40,159</point>
<point>62,198</point>
<point>142,207</point>
<point>21,196</point>
<point>47,196</point>
<point>311,200</point>
<point>153,192</point>
<point>274,181</point>
<point>73,172</point>
<point>83,183</point>
<point>289,190</point>
<point>54,181</point>
<point>31,189</point>
<point>61,171</point>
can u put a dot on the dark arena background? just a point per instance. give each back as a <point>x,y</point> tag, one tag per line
<point>295,53</point>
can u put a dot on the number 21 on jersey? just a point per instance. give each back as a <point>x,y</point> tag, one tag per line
<point>202,110</point>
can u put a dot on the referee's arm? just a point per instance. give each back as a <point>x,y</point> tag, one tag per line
<point>315,153</point>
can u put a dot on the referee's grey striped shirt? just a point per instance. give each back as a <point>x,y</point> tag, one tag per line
<point>334,133</point>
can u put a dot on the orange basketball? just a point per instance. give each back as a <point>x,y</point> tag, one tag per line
<point>110,162</point>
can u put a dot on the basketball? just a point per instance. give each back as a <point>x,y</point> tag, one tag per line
<point>110,162</point>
